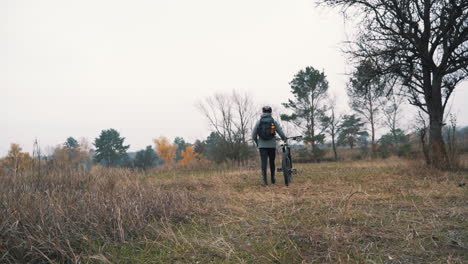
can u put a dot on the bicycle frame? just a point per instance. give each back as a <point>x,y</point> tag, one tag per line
<point>285,146</point>
<point>287,165</point>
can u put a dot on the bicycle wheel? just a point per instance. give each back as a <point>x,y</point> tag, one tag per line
<point>286,164</point>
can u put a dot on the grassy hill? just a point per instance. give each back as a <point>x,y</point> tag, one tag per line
<point>391,211</point>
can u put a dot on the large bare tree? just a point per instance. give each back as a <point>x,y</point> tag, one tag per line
<point>230,117</point>
<point>421,43</point>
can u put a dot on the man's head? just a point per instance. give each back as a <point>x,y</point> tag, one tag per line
<point>266,109</point>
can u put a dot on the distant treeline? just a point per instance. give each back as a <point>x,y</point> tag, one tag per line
<point>311,112</point>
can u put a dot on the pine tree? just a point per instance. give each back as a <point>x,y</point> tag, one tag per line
<point>109,148</point>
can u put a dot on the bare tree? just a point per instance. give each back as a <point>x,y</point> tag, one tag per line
<point>244,108</point>
<point>230,117</point>
<point>36,159</point>
<point>421,43</point>
<point>453,155</point>
<point>331,121</point>
<point>392,106</point>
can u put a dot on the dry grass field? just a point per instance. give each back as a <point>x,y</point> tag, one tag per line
<point>385,211</point>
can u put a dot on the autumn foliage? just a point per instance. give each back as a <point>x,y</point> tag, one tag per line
<point>166,150</point>
<point>189,156</point>
<point>16,161</point>
<point>66,157</point>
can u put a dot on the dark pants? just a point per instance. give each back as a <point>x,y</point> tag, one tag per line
<point>265,154</point>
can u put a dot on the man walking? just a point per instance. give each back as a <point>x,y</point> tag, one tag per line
<point>263,135</point>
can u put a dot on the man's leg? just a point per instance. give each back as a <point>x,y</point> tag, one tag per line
<point>264,157</point>
<point>272,156</point>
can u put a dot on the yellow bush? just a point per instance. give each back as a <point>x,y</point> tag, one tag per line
<point>166,150</point>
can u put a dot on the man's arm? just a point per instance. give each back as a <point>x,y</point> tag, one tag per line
<point>280,131</point>
<point>254,133</point>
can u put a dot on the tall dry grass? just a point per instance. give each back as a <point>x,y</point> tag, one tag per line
<point>57,216</point>
<point>368,211</point>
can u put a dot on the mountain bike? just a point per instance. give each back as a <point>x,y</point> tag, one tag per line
<point>286,162</point>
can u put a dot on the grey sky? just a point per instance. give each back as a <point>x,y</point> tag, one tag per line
<point>73,68</point>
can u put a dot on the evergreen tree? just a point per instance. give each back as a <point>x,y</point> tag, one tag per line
<point>364,89</point>
<point>309,88</point>
<point>181,146</point>
<point>109,148</point>
<point>395,142</point>
<point>216,149</point>
<point>72,147</point>
<point>71,143</point>
<point>146,158</point>
<point>200,147</point>
<point>351,130</point>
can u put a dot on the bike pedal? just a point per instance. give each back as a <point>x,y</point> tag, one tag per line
<point>279,170</point>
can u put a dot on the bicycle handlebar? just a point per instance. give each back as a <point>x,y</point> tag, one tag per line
<point>293,138</point>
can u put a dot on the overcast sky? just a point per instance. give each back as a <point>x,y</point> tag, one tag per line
<point>73,68</point>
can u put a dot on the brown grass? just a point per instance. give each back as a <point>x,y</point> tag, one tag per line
<point>59,216</point>
<point>383,211</point>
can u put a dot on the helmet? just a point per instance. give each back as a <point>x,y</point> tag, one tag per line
<point>266,109</point>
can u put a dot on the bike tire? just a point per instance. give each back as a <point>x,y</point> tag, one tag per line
<point>287,170</point>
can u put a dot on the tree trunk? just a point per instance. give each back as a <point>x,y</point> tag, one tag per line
<point>16,166</point>
<point>373,138</point>
<point>371,115</point>
<point>422,136</point>
<point>334,147</point>
<point>312,132</point>
<point>438,154</point>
